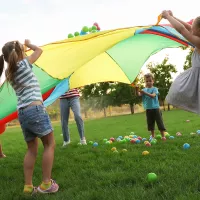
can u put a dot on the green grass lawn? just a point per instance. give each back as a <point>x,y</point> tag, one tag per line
<point>87,173</point>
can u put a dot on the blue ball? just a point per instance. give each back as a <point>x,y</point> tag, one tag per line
<point>171,137</point>
<point>137,141</point>
<point>198,131</point>
<point>134,136</point>
<point>95,144</point>
<point>144,139</point>
<point>186,146</point>
<point>120,137</point>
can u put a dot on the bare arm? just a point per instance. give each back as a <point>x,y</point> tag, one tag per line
<point>195,40</point>
<point>36,54</point>
<point>187,26</point>
<point>148,94</point>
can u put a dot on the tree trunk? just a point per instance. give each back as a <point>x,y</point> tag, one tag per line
<point>168,107</point>
<point>86,116</point>
<point>164,105</point>
<point>104,111</point>
<point>132,108</point>
<point>110,111</point>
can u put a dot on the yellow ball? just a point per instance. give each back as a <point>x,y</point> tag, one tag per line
<point>114,149</point>
<point>145,142</point>
<point>124,150</point>
<point>144,153</point>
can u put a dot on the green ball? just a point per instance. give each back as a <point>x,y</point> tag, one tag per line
<point>70,35</point>
<point>105,140</point>
<point>90,29</point>
<point>94,27</point>
<point>85,29</point>
<point>167,135</point>
<point>154,141</point>
<point>77,33</point>
<point>151,177</point>
<point>158,137</point>
<point>90,142</point>
<point>93,31</point>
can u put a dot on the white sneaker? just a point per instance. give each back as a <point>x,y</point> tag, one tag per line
<point>83,142</point>
<point>66,143</point>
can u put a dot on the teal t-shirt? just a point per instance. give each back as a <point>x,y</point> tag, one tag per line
<point>148,102</point>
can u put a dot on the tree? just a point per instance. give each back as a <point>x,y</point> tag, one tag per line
<point>163,78</point>
<point>98,95</point>
<point>188,60</point>
<point>124,94</point>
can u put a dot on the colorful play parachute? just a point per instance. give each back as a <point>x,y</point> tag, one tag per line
<point>112,55</point>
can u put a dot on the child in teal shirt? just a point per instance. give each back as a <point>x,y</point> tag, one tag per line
<point>151,105</point>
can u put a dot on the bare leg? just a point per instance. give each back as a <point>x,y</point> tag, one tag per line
<point>153,133</point>
<point>48,156</point>
<point>29,160</point>
<point>2,155</point>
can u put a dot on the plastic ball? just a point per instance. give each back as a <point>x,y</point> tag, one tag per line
<point>90,29</point>
<point>112,139</point>
<point>114,149</point>
<point>139,138</point>
<point>137,141</point>
<point>76,34</point>
<point>90,142</point>
<point>178,134</point>
<point>186,146</point>
<point>124,150</point>
<point>144,153</point>
<point>148,144</point>
<point>144,139</point>
<point>118,139</point>
<point>85,29</point>
<point>94,27</point>
<point>105,140</point>
<point>167,134</point>
<point>95,144</point>
<point>153,142</point>
<point>121,137</point>
<point>145,142</point>
<point>171,137</point>
<point>134,136</point>
<point>70,35</point>
<point>198,132</point>
<point>132,141</point>
<point>152,177</point>
<point>158,137</point>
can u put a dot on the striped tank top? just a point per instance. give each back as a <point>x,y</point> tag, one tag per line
<point>26,85</point>
<point>71,93</point>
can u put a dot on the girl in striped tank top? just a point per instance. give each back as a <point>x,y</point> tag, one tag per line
<point>33,118</point>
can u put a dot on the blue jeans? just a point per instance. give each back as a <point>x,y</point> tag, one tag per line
<point>35,122</point>
<point>65,105</point>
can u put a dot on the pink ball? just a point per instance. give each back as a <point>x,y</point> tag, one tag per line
<point>148,144</point>
<point>112,139</point>
<point>139,138</point>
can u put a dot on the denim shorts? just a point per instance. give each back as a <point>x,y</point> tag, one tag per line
<point>34,121</point>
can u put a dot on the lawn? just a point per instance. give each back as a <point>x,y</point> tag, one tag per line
<point>87,173</point>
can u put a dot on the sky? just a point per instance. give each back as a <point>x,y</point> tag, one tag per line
<point>44,21</point>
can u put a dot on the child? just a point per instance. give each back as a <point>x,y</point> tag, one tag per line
<point>185,90</point>
<point>33,118</point>
<point>151,105</point>
<point>2,155</point>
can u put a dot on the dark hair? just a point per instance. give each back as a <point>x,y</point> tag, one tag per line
<point>12,53</point>
<point>148,75</point>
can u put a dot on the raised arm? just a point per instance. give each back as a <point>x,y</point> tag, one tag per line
<point>187,26</point>
<point>36,54</point>
<point>195,40</point>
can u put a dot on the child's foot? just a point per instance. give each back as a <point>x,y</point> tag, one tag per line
<point>2,155</point>
<point>52,189</point>
<point>30,190</point>
<point>66,143</point>
<point>83,142</point>
<point>163,138</point>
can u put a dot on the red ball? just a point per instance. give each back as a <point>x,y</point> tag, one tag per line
<point>139,138</point>
<point>112,139</point>
<point>133,141</point>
